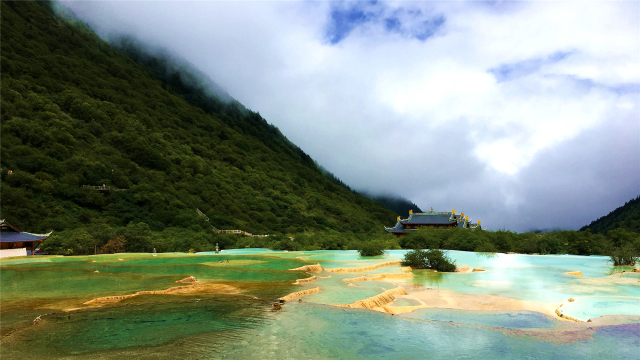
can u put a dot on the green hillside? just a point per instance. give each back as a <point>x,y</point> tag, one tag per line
<point>76,112</point>
<point>626,217</point>
<point>398,204</point>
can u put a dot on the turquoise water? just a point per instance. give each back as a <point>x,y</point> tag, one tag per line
<point>590,266</point>
<point>309,331</point>
<point>334,290</point>
<point>217,329</point>
<point>67,282</point>
<point>506,319</point>
<point>587,307</point>
<point>210,326</point>
<point>525,277</point>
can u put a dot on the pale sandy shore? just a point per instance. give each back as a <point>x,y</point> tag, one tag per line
<point>448,299</point>
<point>193,287</point>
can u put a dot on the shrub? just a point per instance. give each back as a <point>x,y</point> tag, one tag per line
<point>285,244</point>
<point>424,239</point>
<point>429,259</point>
<point>486,247</point>
<point>624,247</point>
<point>115,245</point>
<point>371,249</point>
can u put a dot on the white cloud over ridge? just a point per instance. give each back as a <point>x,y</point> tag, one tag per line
<point>523,115</point>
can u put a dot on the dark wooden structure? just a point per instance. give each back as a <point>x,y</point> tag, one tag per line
<point>12,238</point>
<point>104,189</point>
<point>431,220</point>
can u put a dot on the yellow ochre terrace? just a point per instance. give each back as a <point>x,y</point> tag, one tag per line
<point>433,220</point>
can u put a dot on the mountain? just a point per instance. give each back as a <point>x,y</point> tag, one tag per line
<point>197,87</point>
<point>78,113</point>
<point>397,204</point>
<point>626,216</point>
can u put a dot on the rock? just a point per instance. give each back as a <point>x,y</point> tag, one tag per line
<point>576,273</point>
<point>572,299</point>
<point>478,269</point>
<point>299,293</point>
<point>187,280</point>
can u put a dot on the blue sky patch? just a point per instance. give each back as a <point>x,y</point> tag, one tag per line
<point>343,21</point>
<point>393,24</point>
<point>344,17</point>
<point>506,72</point>
<point>627,88</point>
<point>619,89</point>
<point>429,28</point>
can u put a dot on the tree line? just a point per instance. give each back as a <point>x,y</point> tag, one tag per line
<point>621,244</point>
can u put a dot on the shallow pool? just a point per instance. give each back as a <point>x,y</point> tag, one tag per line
<point>239,326</point>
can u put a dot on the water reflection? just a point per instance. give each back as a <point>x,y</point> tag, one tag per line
<point>427,278</point>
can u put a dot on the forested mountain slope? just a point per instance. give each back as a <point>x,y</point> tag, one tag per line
<point>626,216</point>
<point>398,204</point>
<point>77,112</point>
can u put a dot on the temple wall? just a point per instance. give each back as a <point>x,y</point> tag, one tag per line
<point>13,252</point>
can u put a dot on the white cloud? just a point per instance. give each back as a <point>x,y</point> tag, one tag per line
<point>427,120</point>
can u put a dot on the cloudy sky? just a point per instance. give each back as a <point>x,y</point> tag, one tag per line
<point>521,114</point>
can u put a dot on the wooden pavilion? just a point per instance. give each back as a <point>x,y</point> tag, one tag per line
<point>14,239</point>
<point>431,220</point>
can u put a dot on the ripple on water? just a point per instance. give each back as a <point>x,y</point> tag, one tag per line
<point>313,331</point>
<point>506,319</point>
<point>589,307</point>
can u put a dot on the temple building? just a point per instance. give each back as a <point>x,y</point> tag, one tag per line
<point>431,220</point>
<point>13,242</point>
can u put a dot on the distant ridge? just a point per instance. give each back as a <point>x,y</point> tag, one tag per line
<point>171,68</point>
<point>198,89</point>
<point>396,203</point>
<point>626,216</point>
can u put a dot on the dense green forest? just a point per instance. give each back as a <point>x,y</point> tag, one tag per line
<point>503,241</point>
<point>76,111</point>
<point>398,204</point>
<point>626,216</point>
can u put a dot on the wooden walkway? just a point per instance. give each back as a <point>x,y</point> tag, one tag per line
<point>103,188</point>
<point>218,231</point>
